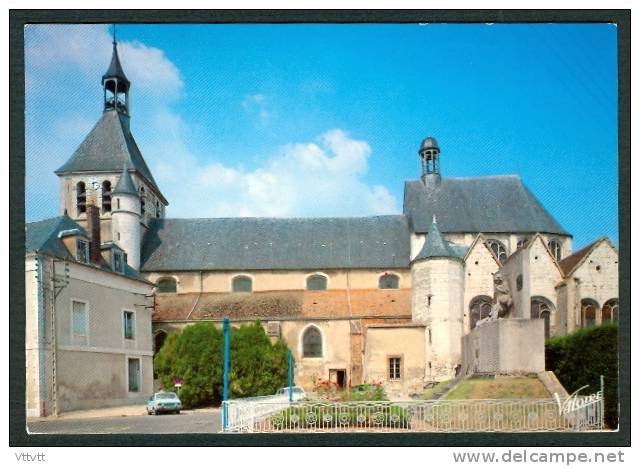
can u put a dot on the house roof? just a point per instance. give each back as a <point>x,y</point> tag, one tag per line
<point>436,247</point>
<point>276,243</point>
<point>107,147</point>
<point>42,237</point>
<point>492,204</point>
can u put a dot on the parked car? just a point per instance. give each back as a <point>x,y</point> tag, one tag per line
<point>164,402</point>
<point>298,393</point>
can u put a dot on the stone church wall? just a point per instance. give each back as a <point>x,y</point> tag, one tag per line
<point>598,275</point>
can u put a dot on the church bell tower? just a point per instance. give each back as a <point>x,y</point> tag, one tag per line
<point>116,85</point>
<point>430,158</point>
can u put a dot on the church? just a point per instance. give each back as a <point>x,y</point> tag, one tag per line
<point>358,299</point>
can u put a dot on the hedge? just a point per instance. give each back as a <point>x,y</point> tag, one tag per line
<point>581,358</point>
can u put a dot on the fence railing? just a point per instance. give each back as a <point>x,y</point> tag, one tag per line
<point>270,414</point>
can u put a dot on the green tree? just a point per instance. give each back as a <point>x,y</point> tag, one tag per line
<point>195,355</point>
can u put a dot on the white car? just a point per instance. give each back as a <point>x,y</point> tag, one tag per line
<point>164,402</point>
<point>298,393</point>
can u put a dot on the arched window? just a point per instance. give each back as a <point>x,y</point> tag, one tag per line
<point>242,284</point>
<point>157,209</point>
<point>81,197</point>
<point>556,249</point>
<point>498,250</point>
<point>479,308</point>
<point>106,196</point>
<point>388,281</point>
<point>167,285</point>
<point>589,308</point>
<point>541,309</point>
<point>610,311</point>
<point>143,206</point>
<point>316,282</point>
<point>312,343</point>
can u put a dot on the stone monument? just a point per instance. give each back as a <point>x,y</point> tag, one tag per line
<point>502,343</point>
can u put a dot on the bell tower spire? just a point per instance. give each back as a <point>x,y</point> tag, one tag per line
<point>115,83</point>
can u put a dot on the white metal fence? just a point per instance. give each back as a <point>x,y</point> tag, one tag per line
<point>269,414</point>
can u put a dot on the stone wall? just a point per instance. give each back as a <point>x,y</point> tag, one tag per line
<point>404,342</point>
<point>598,276</point>
<point>275,280</point>
<point>504,346</point>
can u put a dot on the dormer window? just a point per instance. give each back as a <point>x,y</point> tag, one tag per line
<point>82,251</point>
<point>118,262</point>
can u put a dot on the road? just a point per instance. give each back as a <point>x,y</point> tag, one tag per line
<point>201,421</point>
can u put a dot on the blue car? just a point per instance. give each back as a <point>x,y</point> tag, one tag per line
<point>164,402</point>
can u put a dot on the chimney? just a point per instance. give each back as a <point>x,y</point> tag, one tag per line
<point>93,228</point>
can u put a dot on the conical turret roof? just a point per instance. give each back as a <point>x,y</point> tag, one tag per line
<point>125,183</point>
<point>436,246</point>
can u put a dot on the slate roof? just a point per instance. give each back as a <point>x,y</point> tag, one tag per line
<point>125,183</point>
<point>492,204</point>
<point>115,68</point>
<point>436,247</point>
<point>106,149</point>
<point>42,237</point>
<point>276,243</point>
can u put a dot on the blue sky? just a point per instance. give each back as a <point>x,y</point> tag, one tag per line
<point>325,120</point>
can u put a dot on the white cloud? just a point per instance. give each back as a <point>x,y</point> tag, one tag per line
<point>86,50</point>
<point>321,178</point>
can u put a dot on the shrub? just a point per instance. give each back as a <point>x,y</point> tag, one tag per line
<point>195,355</point>
<point>580,358</point>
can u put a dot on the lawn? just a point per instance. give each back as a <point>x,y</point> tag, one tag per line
<point>482,388</point>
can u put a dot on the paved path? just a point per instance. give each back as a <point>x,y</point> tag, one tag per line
<point>198,421</point>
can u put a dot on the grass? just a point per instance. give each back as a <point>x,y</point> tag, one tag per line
<point>498,388</point>
<point>429,392</point>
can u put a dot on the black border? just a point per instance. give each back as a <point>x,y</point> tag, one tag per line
<point>17,421</point>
